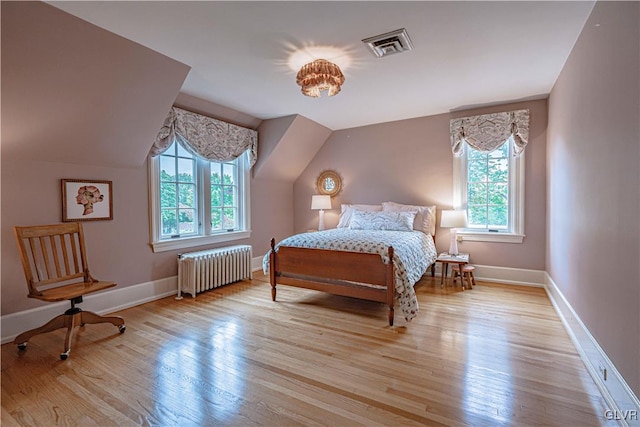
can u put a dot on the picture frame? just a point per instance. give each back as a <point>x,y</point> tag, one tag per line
<point>86,200</point>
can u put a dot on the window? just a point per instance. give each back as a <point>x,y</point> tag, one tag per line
<point>196,201</point>
<point>490,186</point>
<point>178,193</point>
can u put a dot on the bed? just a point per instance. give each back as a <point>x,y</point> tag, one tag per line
<point>354,259</point>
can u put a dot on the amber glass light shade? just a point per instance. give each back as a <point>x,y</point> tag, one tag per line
<point>319,76</point>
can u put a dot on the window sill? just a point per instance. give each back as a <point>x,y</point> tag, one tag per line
<point>190,242</point>
<point>490,237</point>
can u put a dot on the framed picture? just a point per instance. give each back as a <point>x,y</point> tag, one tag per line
<point>86,200</point>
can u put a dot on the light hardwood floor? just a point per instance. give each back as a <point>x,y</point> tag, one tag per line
<point>495,355</point>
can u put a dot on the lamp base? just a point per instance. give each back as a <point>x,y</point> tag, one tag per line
<point>321,220</point>
<point>453,244</point>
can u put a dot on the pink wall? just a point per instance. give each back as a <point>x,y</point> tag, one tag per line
<point>410,162</point>
<point>119,249</point>
<point>46,108</point>
<point>79,102</point>
<point>75,93</point>
<point>593,245</point>
<point>287,145</point>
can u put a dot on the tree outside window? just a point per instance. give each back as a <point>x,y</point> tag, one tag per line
<point>224,196</point>
<point>488,189</point>
<point>178,200</point>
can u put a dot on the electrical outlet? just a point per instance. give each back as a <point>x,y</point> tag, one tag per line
<point>603,371</point>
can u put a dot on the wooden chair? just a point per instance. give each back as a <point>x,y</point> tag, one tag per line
<point>53,258</point>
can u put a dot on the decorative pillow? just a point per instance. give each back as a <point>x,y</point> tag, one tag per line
<point>347,211</point>
<point>425,220</point>
<point>392,221</point>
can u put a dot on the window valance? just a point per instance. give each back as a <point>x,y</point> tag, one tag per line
<point>206,137</point>
<point>489,131</point>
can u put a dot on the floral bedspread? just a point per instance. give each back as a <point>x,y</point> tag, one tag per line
<point>414,252</point>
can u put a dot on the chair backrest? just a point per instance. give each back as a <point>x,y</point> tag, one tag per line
<point>52,254</point>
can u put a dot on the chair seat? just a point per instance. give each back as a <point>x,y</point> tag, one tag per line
<point>72,290</point>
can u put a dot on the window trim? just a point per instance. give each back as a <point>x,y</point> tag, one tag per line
<point>163,245</point>
<point>516,200</point>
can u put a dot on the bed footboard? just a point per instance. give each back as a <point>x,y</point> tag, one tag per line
<point>352,274</point>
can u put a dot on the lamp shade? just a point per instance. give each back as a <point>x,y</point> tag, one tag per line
<point>320,76</point>
<point>453,219</point>
<point>320,202</point>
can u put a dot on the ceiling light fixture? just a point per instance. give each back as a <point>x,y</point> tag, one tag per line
<point>318,76</point>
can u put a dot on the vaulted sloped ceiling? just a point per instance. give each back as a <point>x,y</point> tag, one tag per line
<point>75,93</point>
<point>286,146</point>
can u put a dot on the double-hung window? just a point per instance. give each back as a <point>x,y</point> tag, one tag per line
<point>490,187</point>
<point>195,201</point>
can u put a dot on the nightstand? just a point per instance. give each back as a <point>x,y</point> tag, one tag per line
<point>457,260</point>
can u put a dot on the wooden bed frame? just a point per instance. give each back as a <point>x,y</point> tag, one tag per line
<point>350,274</point>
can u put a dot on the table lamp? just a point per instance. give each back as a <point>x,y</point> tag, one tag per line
<point>453,220</point>
<point>319,202</point>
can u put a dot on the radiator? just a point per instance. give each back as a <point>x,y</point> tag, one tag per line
<point>204,270</point>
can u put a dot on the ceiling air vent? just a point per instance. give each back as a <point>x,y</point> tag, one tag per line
<point>389,43</point>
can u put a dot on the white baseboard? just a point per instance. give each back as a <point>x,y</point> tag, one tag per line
<point>101,303</point>
<point>624,406</point>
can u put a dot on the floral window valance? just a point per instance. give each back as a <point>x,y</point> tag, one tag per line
<point>206,137</point>
<point>489,131</point>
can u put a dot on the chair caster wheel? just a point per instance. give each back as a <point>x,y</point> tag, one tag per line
<point>22,346</point>
<point>122,328</point>
<point>63,356</point>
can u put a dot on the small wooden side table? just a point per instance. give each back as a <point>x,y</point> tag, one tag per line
<point>457,260</point>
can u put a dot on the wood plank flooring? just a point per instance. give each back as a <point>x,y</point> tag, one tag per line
<point>497,355</point>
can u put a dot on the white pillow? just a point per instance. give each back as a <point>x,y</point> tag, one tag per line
<point>347,211</point>
<point>391,221</point>
<point>425,220</point>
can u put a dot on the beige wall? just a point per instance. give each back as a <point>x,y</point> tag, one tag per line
<point>410,162</point>
<point>593,183</point>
